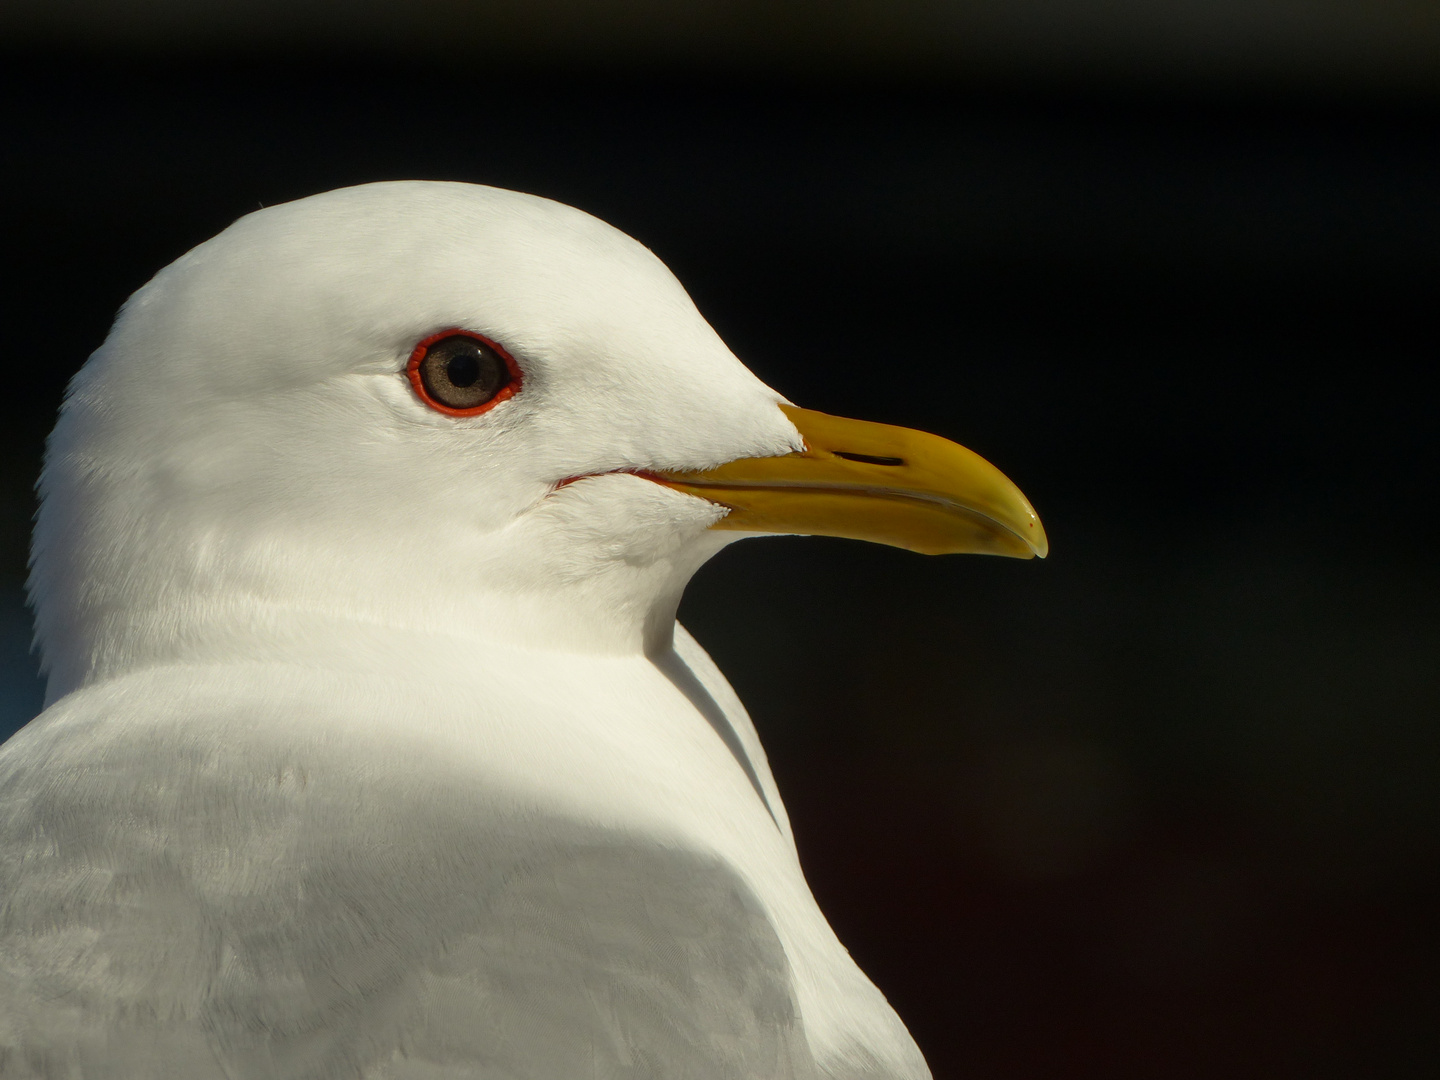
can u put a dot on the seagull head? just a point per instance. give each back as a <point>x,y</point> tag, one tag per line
<point>448,409</point>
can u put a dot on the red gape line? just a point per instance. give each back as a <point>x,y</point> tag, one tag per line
<point>643,474</point>
<point>509,390</point>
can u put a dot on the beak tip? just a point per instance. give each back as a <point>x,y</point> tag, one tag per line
<point>1038,542</point>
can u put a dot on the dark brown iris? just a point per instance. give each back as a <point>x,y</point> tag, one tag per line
<point>460,372</point>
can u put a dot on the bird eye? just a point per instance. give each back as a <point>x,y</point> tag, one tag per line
<point>461,373</point>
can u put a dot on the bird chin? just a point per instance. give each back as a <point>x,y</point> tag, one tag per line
<point>620,544</point>
<point>621,532</point>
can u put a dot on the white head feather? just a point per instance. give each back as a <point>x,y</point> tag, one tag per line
<point>254,537</point>
<point>246,440</point>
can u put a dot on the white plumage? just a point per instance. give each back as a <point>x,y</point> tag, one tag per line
<point>372,746</point>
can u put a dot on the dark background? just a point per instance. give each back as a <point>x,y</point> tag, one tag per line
<point>1165,805</point>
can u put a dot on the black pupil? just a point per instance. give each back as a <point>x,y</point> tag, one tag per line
<point>461,373</point>
<point>463,370</point>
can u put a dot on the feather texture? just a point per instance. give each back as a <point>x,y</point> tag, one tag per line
<point>373,749</point>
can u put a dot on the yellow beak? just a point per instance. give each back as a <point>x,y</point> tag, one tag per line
<point>874,482</point>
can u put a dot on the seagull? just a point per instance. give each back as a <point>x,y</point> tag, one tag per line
<point>372,747</point>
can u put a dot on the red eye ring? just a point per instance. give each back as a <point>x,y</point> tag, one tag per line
<point>413,372</point>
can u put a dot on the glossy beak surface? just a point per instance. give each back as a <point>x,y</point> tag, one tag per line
<point>891,485</point>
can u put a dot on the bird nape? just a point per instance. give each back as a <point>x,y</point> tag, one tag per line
<point>372,747</point>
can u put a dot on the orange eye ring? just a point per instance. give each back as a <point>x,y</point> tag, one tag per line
<point>422,379</point>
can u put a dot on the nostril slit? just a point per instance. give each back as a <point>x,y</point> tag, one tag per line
<point>870,459</point>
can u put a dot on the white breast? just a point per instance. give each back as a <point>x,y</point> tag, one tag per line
<point>270,870</point>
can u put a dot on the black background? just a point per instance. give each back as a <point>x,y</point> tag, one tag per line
<point>1163,805</point>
